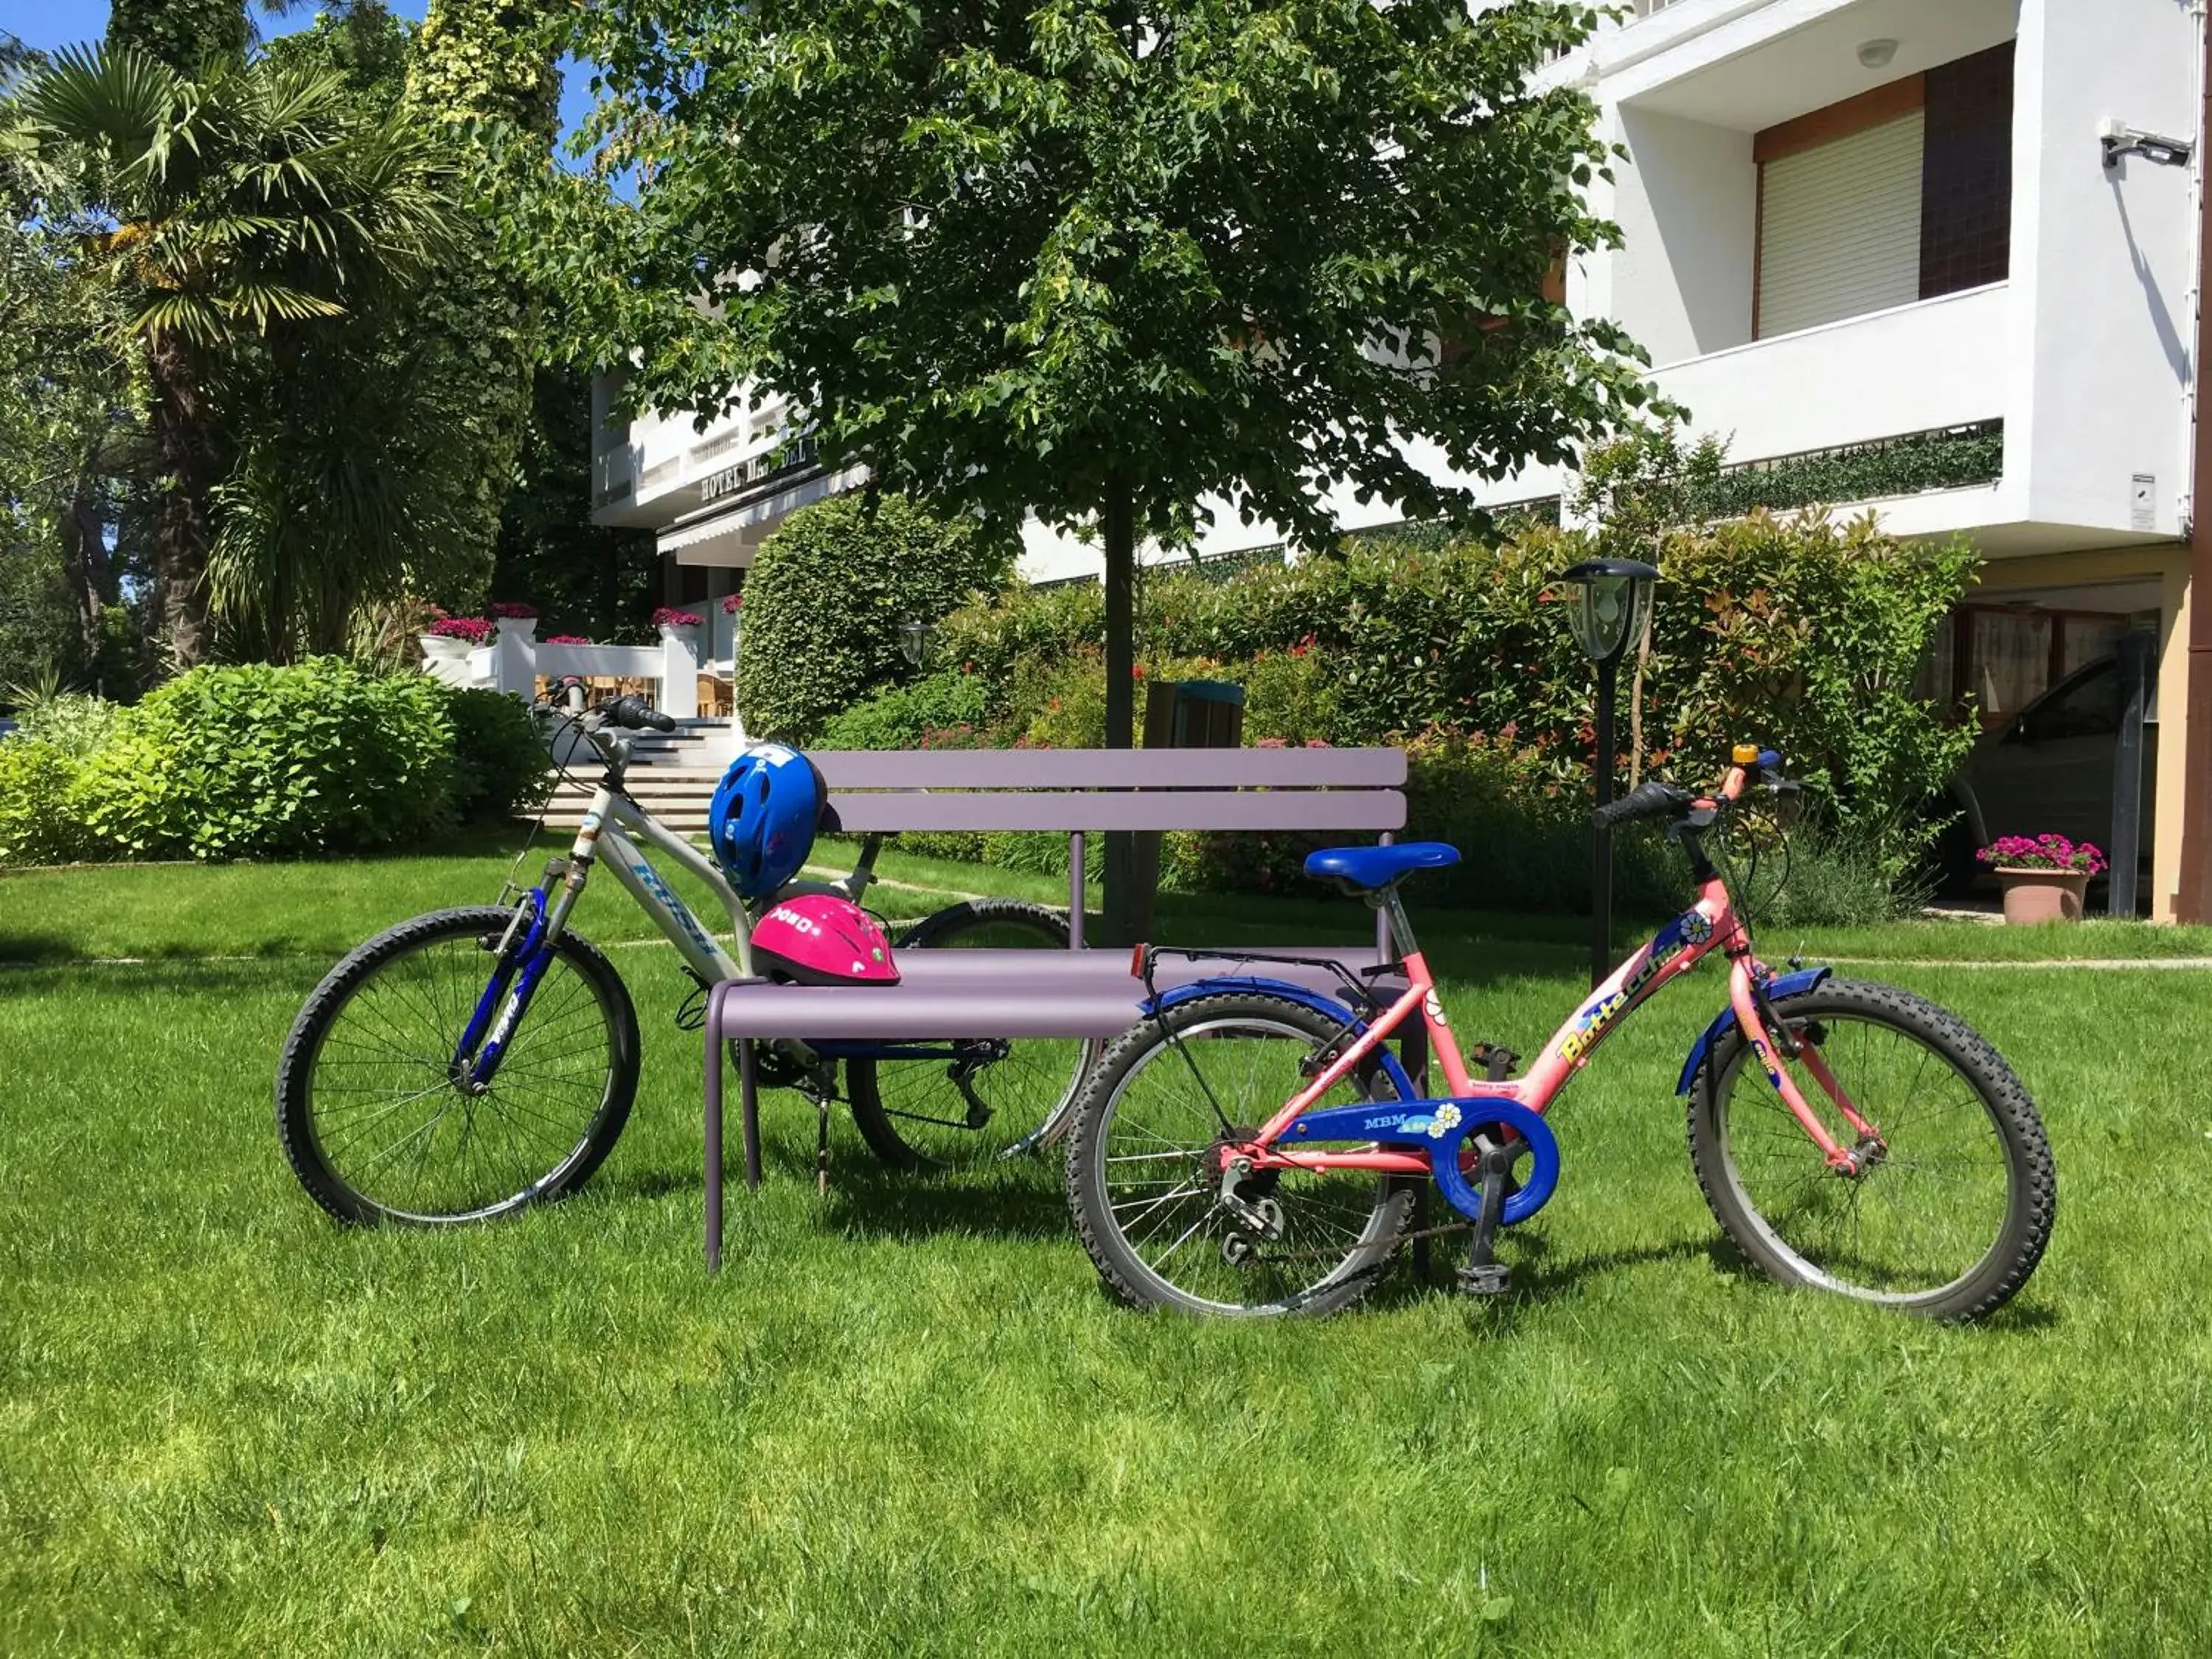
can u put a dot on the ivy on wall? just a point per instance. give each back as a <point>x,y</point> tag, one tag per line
<point>1953,459</point>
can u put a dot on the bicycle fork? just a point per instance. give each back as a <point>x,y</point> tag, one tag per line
<point>519,965</point>
<point>1771,1041</point>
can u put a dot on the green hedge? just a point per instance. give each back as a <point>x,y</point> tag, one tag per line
<point>1804,634</point>
<point>263,762</point>
<point>825,599</point>
<point>254,761</point>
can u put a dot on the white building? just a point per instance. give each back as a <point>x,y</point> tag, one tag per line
<point>1847,223</point>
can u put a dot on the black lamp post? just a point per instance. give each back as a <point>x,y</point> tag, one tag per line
<point>1611,598</point>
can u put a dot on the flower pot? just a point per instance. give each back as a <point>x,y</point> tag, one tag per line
<point>439,647</point>
<point>2038,895</point>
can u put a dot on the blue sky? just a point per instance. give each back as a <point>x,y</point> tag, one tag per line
<point>50,23</point>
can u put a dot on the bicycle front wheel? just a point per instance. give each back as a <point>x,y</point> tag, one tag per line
<point>973,1101</point>
<point>1143,1167</point>
<point>375,1125</point>
<point>1953,1200</point>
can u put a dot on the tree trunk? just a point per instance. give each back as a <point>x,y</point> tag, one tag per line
<point>1118,525</point>
<point>184,457</point>
<point>84,554</point>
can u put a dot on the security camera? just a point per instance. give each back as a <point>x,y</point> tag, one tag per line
<point>2119,139</point>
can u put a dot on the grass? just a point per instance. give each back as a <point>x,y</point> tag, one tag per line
<point>904,1420</point>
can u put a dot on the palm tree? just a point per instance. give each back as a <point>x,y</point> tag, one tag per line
<point>236,213</point>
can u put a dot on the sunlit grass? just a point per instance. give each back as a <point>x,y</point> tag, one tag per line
<point>904,1420</point>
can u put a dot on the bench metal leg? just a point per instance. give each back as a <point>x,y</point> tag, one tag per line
<point>713,1138</point>
<point>1075,891</point>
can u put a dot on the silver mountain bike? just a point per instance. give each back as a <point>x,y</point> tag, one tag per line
<point>469,1062</point>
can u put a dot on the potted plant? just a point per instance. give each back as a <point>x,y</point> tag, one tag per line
<point>668,618</point>
<point>2044,877</point>
<point>515,617</point>
<point>450,639</point>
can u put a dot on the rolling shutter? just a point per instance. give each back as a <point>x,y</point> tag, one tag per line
<point>1839,228</point>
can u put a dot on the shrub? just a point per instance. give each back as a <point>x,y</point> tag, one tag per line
<point>901,716</point>
<point>228,763</point>
<point>73,722</point>
<point>1804,634</point>
<point>500,763</point>
<point>825,599</point>
<point>38,823</point>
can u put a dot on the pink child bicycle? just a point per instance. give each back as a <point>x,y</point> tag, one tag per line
<point>1254,1147</point>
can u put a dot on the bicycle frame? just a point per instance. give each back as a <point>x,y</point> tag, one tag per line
<point>604,834</point>
<point>1395,1131</point>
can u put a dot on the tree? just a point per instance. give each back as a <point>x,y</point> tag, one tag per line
<point>233,213</point>
<point>186,35</point>
<point>599,579</point>
<point>68,422</point>
<point>1098,262</point>
<point>487,70</point>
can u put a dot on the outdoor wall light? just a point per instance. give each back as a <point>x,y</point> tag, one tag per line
<point>1611,601</point>
<point>914,638</point>
<point>1876,54</point>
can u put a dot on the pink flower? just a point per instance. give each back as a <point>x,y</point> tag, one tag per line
<point>669,616</point>
<point>2044,852</point>
<point>566,639</point>
<point>475,629</point>
<point>511,608</point>
<point>731,603</point>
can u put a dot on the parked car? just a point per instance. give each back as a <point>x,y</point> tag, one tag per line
<point>2049,768</point>
<point>6,725</point>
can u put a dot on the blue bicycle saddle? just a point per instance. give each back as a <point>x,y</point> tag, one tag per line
<point>1369,867</point>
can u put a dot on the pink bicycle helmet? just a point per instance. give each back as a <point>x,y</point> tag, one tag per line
<point>815,939</point>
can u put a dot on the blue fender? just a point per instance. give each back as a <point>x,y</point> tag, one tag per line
<point>1781,986</point>
<point>1328,1008</point>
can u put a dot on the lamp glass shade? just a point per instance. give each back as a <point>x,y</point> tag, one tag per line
<point>1611,598</point>
<point>913,633</point>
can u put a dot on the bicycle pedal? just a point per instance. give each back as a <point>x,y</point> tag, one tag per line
<point>1492,1278</point>
<point>1497,1060</point>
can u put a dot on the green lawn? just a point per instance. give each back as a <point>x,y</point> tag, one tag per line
<point>904,1420</point>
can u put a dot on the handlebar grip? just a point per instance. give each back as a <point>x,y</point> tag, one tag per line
<point>1649,800</point>
<point>636,712</point>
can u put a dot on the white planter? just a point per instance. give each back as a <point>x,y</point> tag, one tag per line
<point>679,671</point>
<point>444,658</point>
<point>520,628</point>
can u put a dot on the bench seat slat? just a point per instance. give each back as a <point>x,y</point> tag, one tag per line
<point>1111,769</point>
<point>1065,810</point>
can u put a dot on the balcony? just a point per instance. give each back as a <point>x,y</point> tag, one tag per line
<point>1919,368</point>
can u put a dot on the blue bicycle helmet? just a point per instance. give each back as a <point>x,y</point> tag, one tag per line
<point>761,821</point>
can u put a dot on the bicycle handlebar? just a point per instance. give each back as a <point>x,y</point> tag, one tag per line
<point>1649,800</point>
<point>636,712</point>
<point>1653,799</point>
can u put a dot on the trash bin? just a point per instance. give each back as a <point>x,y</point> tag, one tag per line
<point>1178,714</point>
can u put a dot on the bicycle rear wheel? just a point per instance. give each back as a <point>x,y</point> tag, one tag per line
<point>376,1127</point>
<point>1952,1204</point>
<point>1143,1167</point>
<point>957,1110</point>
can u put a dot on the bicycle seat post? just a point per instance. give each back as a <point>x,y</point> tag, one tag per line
<point>1386,899</point>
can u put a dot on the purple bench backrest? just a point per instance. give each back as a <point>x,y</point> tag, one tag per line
<point>1079,789</point>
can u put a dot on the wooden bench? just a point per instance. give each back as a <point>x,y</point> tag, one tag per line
<point>1078,993</point>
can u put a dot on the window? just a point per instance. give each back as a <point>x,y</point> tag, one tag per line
<point>2088,708</point>
<point>2006,657</point>
<point>1902,193</point>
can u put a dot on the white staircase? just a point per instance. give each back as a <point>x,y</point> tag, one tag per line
<point>672,775</point>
